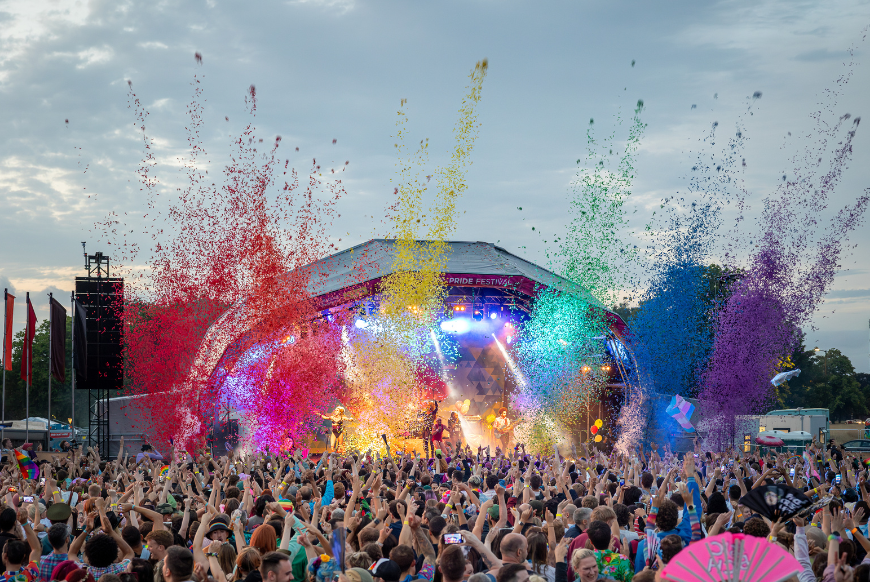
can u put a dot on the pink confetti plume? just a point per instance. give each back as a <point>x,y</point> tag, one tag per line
<point>222,277</point>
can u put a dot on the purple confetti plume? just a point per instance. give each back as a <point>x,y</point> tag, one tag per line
<point>789,272</point>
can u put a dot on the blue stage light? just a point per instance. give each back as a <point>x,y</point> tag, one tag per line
<point>361,323</point>
<point>493,315</point>
<point>456,325</point>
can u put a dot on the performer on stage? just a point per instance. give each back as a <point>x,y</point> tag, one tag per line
<point>426,418</point>
<point>338,418</point>
<point>438,434</point>
<point>454,430</point>
<point>502,428</point>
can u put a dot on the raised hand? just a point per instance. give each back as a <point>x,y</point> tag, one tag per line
<point>562,549</point>
<point>799,521</point>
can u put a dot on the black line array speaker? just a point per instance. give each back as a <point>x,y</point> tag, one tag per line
<point>102,299</point>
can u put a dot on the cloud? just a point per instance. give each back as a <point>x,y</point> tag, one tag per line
<point>848,293</point>
<point>822,55</point>
<point>321,75</point>
<point>338,6</point>
<point>7,284</point>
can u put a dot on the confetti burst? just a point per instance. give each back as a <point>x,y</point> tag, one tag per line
<point>223,278</point>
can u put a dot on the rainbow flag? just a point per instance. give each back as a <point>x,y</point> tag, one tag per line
<point>29,470</point>
<point>286,505</point>
<point>164,471</point>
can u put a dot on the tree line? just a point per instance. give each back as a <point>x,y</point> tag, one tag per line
<point>61,392</point>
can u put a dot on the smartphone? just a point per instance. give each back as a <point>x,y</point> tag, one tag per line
<point>791,472</point>
<point>42,481</point>
<point>27,499</point>
<point>838,478</point>
<point>269,466</point>
<point>622,482</point>
<point>452,538</point>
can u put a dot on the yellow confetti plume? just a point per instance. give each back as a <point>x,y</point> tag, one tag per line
<point>412,296</point>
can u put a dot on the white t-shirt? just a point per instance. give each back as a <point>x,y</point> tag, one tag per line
<point>65,495</point>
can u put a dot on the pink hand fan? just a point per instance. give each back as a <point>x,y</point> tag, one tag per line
<point>732,558</point>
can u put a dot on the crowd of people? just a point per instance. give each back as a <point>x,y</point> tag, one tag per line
<point>480,516</point>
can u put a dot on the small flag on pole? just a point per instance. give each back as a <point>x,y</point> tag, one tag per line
<point>27,353</point>
<point>29,470</point>
<point>7,333</point>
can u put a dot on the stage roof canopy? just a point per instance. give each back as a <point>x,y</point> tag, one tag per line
<point>476,264</point>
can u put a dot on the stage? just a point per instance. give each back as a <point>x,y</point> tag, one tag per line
<point>466,361</point>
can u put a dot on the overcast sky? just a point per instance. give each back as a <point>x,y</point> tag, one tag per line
<point>337,69</point>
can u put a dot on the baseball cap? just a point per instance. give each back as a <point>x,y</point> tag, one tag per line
<point>359,575</point>
<point>387,570</point>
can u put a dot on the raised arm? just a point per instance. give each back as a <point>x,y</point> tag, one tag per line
<point>198,554</point>
<point>125,550</point>
<point>489,559</point>
<point>481,517</point>
<point>32,540</point>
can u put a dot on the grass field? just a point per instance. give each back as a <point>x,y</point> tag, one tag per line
<point>843,432</point>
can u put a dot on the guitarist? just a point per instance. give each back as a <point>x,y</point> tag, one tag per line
<point>502,428</point>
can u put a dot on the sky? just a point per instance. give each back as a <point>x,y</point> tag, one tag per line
<point>337,70</point>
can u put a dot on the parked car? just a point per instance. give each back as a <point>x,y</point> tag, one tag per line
<point>860,446</point>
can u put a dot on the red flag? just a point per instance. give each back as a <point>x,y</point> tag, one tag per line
<point>27,348</point>
<point>7,335</point>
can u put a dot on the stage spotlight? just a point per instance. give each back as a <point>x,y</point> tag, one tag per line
<point>478,315</point>
<point>457,325</point>
<point>511,364</point>
<point>584,369</point>
<point>361,324</point>
<point>510,338</point>
<point>493,315</point>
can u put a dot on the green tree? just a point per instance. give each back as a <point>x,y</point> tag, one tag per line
<point>794,393</point>
<point>61,393</point>
<point>830,384</point>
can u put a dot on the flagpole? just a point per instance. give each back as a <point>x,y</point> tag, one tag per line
<point>73,339</point>
<point>26,353</point>
<point>5,303</point>
<point>50,362</point>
